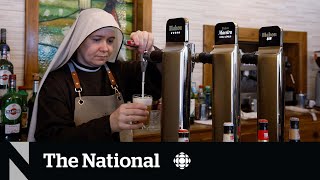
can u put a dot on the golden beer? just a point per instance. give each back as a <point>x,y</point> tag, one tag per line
<point>146,100</point>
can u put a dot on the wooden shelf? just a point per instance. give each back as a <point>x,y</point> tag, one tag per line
<point>295,47</point>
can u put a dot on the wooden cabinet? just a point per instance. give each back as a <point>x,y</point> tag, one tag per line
<point>309,130</point>
<point>295,48</point>
<point>198,133</point>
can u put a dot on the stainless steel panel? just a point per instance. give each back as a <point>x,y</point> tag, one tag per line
<point>271,90</point>
<point>176,80</point>
<point>226,96</point>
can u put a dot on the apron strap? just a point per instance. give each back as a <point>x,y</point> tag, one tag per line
<point>78,88</point>
<point>114,85</point>
<point>76,82</point>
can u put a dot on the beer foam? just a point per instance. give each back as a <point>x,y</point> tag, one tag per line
<point>143,100</point>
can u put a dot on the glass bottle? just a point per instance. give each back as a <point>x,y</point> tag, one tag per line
<point>294,134</point>
<point>6,67</point>
<point>193,102</point>
<point>25,110</point>
<point>4,47</point>
<point>202,103</point>
<point>208,96</point>
<point>11,112</point>
<point>184,135</point>
<point>36,80</point>
<point>201,96</point>
<point>228,132</point>
<point>263,134</point>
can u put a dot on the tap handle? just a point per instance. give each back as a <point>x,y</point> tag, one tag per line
<point>153,56</point>
<point>249,58</point>
<point>203,58</point>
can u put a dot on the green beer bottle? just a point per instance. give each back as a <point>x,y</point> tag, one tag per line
<point>11,112</point>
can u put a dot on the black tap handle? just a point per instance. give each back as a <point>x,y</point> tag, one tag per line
<point>203,58</point>
<point>156,57</point>
<point>249,58</point>
<point>153,56</point>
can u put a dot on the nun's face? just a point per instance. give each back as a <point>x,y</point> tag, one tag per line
<point>97,48</point>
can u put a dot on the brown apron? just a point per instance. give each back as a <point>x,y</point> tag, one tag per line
<point>92,107</point>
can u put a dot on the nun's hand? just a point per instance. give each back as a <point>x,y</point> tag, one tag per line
<point>143,40</point>
<point>128,116</point>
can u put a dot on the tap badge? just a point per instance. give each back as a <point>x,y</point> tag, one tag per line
<point>226,33</point>
<point>177,30</point>
<point>270,36</point>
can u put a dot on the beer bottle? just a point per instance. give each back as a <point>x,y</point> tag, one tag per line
<point>36,80</point>
<point>294,134</point>
<point>228,132</point>
<point>184,135</point>
<point>11,112</point>
<point>263,134</point>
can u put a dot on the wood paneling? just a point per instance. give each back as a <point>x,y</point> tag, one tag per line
<point>31,42</point>
<point>295,47</point>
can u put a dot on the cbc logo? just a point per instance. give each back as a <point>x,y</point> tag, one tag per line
<point>182,160</point>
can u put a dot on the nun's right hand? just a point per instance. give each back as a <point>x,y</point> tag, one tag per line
<point>128,116</point>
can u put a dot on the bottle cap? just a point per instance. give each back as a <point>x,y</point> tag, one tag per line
<point>263,121</point>
<point>294,119</point>
<point>183,131</point>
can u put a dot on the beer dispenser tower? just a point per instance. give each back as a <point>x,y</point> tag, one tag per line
<point>176,81</point>
<point>270,70</point>
<point>178,57</point>
<point>226,77</point>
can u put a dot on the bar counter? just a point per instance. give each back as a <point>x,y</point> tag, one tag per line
<point>309,130</point>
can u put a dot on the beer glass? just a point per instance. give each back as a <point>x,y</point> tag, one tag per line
<point>146,100</point>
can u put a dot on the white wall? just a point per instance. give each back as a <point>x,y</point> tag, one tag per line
<point>295,15</point>
<point>12,18</point>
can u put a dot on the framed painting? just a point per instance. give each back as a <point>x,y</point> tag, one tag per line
<point>48,21</point>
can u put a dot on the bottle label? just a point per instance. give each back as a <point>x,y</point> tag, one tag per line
<point>294,134</point>
<point>11,129</point>
<point>13,111</point>
<point>263,136</point>
<point>4,76</point>
<point>203,112</point>
<point>184,139</point>
<point>228,138</point>
<point>183,135</point>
